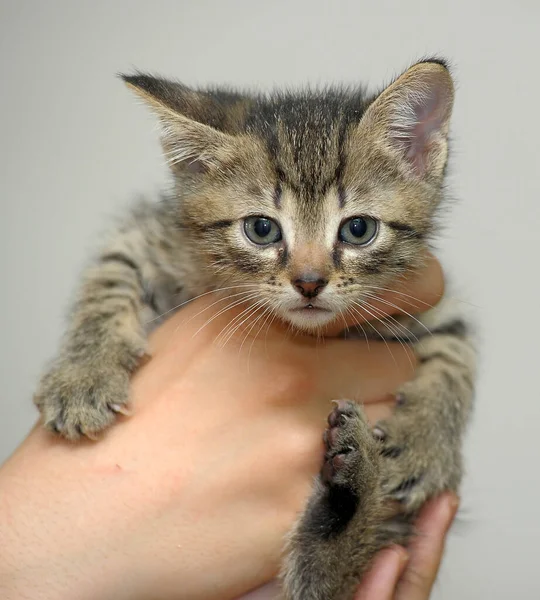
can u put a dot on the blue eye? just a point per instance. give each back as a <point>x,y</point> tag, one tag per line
<point>262,231</point>
<point>359,231</point>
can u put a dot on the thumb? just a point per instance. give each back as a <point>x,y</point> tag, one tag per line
<point>427,547</point>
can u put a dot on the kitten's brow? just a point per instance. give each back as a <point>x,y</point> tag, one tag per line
<point>204,227</point>
<point>405,228</point>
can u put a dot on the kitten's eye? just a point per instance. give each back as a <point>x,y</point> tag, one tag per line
<point>262,231</point>
<point>359,231</point>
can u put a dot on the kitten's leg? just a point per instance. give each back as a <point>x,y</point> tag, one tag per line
<point>343,525</point>
<point>416,454</point>
<point>88,383</point>
<point>421,442</point>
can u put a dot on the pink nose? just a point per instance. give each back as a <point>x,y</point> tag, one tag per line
<point>310,284</point>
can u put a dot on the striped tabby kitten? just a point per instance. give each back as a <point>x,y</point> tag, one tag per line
<point>319,199</point>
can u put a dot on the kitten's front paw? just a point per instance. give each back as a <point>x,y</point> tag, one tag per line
<point>82,399</point>
<point>419,461</point>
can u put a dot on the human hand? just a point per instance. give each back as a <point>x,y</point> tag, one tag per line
<point>399,574</point>
<point>191,497</point>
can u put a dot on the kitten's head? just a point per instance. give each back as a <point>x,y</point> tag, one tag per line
<point>308,202</point>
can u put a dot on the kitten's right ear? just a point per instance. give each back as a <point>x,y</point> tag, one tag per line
<point>410,118</point>
<point>186,141</point>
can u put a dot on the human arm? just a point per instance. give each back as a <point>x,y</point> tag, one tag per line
<point>190,497</point>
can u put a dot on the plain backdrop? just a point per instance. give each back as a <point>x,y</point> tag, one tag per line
<point>75,147</point>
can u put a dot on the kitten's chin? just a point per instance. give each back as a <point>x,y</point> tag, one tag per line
<point>309,319</point>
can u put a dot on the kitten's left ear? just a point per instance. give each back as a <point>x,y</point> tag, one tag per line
<point>188,141</point>
<point>411,118</point>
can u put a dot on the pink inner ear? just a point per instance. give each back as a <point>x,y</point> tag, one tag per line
<point>416,129</point>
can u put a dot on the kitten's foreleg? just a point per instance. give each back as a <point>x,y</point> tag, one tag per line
<point>88,383</point>
<point>421,443</point>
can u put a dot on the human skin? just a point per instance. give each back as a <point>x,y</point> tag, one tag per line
<point>191,496</point>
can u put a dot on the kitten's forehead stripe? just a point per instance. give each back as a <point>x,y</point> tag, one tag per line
<point>277,195</point>
<point>341,162</point>
<point>342,196</point>
<point>305,136</point>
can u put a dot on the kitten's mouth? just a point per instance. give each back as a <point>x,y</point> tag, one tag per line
<point>311,307</point>
<point>309,316</point>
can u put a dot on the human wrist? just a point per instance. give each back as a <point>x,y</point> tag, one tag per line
<point>42,553</point>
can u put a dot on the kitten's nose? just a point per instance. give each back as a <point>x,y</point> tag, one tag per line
<point>310,284</point>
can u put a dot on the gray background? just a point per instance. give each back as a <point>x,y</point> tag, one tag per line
<point>75,146</point>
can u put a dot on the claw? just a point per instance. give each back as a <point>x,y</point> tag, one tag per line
<point>340,404</point>
<point>400,399</point>
<point>120,408</point>
<point>52,425</point>
<point>379,434</point>
<point>144,358</point>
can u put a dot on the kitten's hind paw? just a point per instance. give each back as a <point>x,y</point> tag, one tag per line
<point>350,460</point>
<point>334,540</point>
<point>79,400</point>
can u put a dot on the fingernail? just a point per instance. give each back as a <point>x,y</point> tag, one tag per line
<point>402,554</point>
<point>453,502</point>
<point>452,505</point>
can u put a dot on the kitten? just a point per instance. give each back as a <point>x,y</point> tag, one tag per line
<point>317,199</point>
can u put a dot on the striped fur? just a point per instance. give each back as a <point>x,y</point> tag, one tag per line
<point>308,161</point>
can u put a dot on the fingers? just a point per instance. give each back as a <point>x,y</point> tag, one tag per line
<point>361,372</point>
<point>382,578</point>
<point>398,574</point>
<point>426,549</point>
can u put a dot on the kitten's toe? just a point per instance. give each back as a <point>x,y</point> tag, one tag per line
<point>415,462</point>
<point>400,469</point>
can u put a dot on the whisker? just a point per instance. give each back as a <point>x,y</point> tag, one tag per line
<point>199,296</point>
<point>342,315</point>
<point>391,291</point>
<point>374,328</point>
<point>274,317</point>
<point>417,300</point>
<point>385,317</point>
<point>231,328</point>
<point>252,326</point>
<point>228,326</point>
<point>395,333</point>
<point>236,323</point>
<point>268,312</point>
<point>243,293</point>
<point>391,304</point>
<point>270,317</point>
<point>357,324</point>
<point>223,310</point>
